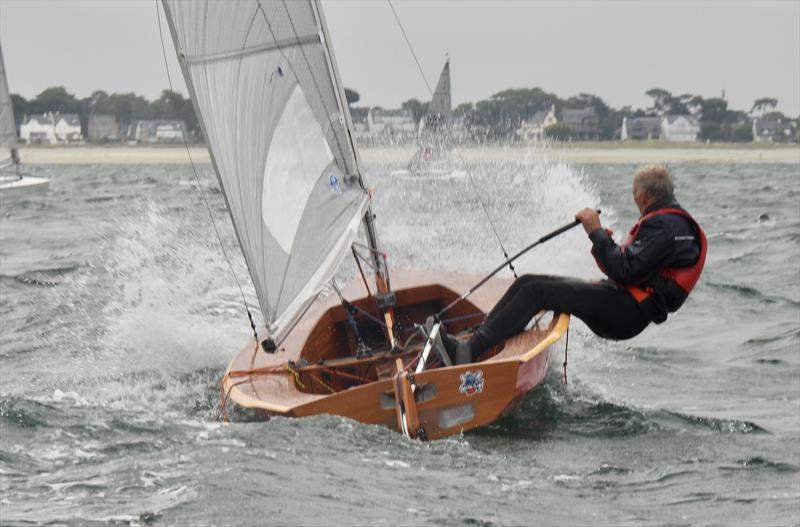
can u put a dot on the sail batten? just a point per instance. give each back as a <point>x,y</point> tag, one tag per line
<point>252,50</point>
<point>278,140</point>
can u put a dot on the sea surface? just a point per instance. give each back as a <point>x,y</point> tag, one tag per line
<point>119,314</point>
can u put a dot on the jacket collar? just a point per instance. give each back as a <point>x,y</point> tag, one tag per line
<point>669,202</point>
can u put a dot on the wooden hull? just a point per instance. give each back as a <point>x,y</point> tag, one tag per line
<point>382,388</point>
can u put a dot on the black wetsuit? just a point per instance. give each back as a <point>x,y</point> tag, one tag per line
<point>664,240</point>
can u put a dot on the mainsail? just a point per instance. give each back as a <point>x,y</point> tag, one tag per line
<point>8,130</point>
<point>264,84</point>
<point>440,104</point>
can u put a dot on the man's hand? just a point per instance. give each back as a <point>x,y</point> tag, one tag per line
<point>590,220</point>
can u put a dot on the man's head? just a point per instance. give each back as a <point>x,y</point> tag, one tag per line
<point>651,184</point>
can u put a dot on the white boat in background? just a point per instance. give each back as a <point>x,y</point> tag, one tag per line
<point>434,154</point>
<point>12,182</point>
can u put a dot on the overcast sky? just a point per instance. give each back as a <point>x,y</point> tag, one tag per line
<point>616,50</point>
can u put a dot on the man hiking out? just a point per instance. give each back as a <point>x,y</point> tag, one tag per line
<point>649,276</point>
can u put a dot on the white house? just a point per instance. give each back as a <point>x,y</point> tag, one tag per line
<point>533,129</point>
<point>679,128</point>
<point>68,128</point>
<point>51,128</point>
<point>38,129</point>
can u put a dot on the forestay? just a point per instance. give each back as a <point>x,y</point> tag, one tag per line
<point>8,130</point>
<point>263,82</point>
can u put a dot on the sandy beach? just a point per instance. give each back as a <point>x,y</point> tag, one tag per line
<point>574,153</point>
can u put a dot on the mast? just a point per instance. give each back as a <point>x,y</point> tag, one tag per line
<point>381,272</point>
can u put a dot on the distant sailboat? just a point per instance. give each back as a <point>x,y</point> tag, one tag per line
<point>434,138</point>
<point>12,181</point>
<point>265,85</point>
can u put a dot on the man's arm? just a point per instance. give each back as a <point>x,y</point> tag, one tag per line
<point>651,251</point>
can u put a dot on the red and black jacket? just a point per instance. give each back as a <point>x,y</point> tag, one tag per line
<point>659,263</point>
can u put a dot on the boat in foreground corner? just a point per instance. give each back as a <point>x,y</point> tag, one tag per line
<point>12,182</point>
<point>265,86</point>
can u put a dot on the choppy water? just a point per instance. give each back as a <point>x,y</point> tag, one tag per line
<point>119,314</point>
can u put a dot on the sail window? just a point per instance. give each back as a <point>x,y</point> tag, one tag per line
<point>297,157</point>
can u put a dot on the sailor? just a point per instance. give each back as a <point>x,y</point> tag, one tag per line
<point>648,276</point>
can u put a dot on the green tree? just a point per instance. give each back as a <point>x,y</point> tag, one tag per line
<point>417,109</point>
<point>559,131</point>
<point>352,96</point>
<point>742,134</point>
<point>763,105</point>
<point>55,99</point>
<point>19,104</point>
<point>775,116</point>
<point>660,98</point>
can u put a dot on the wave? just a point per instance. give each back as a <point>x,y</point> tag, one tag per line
<point>750,293</point>
<point>760,463</point>
<point>554,410</point>
<point>46,277</point>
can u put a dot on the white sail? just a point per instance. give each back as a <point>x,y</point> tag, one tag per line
<point>264,85</point>
<point>440,104</point>
<point>8,130</point>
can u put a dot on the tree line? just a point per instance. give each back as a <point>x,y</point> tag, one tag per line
<point>496,118</point>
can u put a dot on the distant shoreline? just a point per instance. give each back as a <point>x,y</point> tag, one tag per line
<point>594,152</point>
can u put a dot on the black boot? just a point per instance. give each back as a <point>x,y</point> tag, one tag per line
<point>459,351</point>
<point>480,342</point>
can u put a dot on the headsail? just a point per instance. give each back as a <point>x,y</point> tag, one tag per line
<point>264,86</point>
<point>8,130</point>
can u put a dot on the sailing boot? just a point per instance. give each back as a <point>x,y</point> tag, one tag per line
<point>480,342</point>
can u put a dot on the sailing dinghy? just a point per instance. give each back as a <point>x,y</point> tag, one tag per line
<point>12,181</point>
<point>434,155</point>
<point>265,85</point>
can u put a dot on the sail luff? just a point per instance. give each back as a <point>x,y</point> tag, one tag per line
<point>8,128</point>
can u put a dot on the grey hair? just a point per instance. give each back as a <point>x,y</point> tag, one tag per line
<point>654,181</point>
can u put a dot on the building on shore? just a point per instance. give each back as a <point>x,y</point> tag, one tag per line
<point>103,128</point>
<point>51,128</point>
<point>38,129</point>
<point>68,128</point>
<point>774,130</point>
<point>666,127</point>
<point>680,128</point>
<point>584,123</point>
<point>533,129</point>
<point>157,131</point>
<point>640,128</point>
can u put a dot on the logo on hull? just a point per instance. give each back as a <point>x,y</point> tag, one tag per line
<point>471,382</point>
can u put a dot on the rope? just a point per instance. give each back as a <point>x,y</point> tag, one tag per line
<point>566,347</point>
<point>321,382</point>
<point>458,153</point>
<point>200,187</point>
